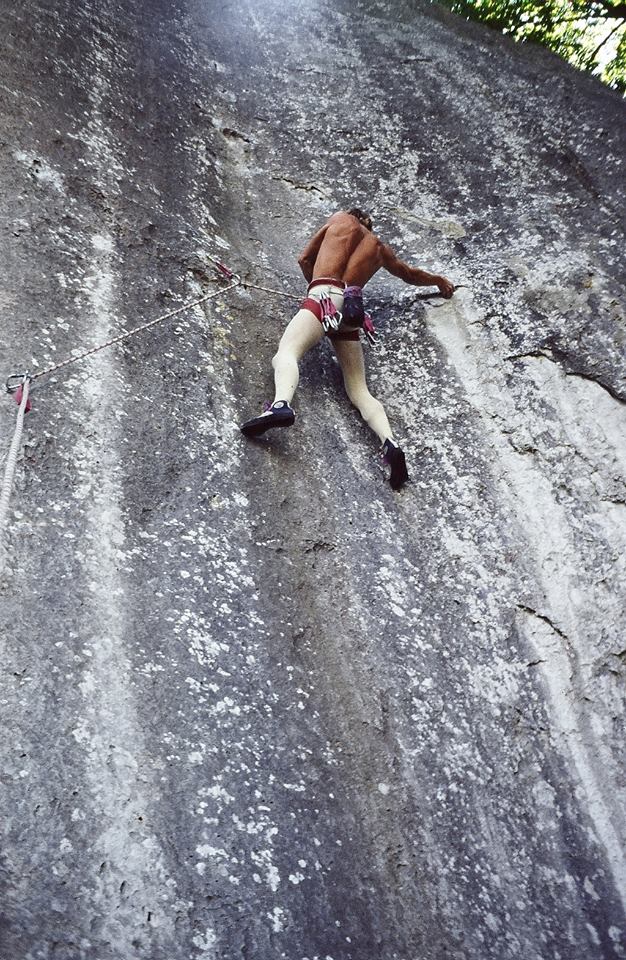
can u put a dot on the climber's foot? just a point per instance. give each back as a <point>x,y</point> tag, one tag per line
<point>278,414</point>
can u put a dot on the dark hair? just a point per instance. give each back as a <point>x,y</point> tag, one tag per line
<point>361,216</point>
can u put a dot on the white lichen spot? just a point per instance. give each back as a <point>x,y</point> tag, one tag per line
<point>102,242</point>
<point>81,733</point>
<point>217,792</point>
<point>263,858</point>
<point>205,943</point>
<point>593,933</point>
<point>205,850</point>
<point>277,919</point>
<point>273,878</point>
<point>491,922</point>
<point>41,169</point>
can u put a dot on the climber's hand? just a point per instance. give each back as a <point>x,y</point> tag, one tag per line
<point>446,289</point>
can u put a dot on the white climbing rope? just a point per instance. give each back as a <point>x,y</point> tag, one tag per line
<point>27,379</point>
<point>9,468</point>
<point>127,334</point>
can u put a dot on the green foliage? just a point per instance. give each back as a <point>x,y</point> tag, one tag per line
<point>615,71</point>
<point>589,33</point>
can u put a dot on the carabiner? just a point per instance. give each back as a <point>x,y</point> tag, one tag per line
<point>15,381</point>
<point>331,317</point>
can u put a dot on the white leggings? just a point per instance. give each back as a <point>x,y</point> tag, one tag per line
<point>305,331</point>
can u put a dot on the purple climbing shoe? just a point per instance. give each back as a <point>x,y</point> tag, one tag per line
<point>278,414</point>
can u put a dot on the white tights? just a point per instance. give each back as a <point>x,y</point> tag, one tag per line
<point>303,333</point>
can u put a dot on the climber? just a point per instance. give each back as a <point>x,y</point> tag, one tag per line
<point>337,263</point>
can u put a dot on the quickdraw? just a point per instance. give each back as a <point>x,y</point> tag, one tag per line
<point>226,271</point>
<point>370,331</point>
<point>331,317</point>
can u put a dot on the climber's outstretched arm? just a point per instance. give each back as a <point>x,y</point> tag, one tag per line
<point>419,278</point>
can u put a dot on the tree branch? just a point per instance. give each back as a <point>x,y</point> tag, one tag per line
<point>613,10</point>
<point>606,39</point>
<point>581,16</point>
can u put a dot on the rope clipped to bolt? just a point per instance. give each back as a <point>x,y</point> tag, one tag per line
<point>19,384</point>
<point>12,384</point>
<point>14,381</point>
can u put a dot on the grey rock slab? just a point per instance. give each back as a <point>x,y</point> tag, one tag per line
<point>256,704</point>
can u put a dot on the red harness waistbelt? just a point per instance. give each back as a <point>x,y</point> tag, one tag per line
<point>327,281</point>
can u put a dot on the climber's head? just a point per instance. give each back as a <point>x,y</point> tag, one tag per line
<point>362,216</point>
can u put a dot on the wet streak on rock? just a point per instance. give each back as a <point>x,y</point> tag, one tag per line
<point>258,705</point>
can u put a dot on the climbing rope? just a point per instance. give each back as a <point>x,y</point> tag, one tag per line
<point>11,463</point>
<point>292,296</point>
<point>279,293</point>
<point>19,384</point>
<point>235,281</point>
<point>228,273</point>
<point>127,334</point>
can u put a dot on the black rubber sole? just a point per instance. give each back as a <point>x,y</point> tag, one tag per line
<point>259,425</point>
<point>399,473</point>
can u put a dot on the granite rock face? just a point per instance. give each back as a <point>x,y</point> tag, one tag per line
<point>256,705</point>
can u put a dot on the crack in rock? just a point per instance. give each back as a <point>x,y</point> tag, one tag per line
<point>546,619</point>
<point>559,357</point>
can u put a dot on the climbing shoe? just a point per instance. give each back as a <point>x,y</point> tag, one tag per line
<point>394,458</point>
<point>278,414</point>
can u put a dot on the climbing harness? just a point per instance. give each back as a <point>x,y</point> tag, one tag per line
<point>370,330</point>
<point>332,319</point>
<point>354,313</point>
